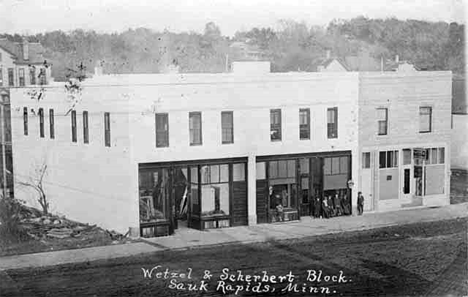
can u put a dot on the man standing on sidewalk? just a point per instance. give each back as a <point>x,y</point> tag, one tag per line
<point>360,203</point>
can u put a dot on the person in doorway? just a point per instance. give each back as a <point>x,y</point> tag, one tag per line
<point>325,209</point>
<point>279,209</point>
<point>317,208</point>
<point>360,203</point>
<point>337,202</point>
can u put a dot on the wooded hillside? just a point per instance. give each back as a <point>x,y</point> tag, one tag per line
<point>290,46</point>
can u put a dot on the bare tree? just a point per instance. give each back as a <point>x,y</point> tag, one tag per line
<point>38,187</point>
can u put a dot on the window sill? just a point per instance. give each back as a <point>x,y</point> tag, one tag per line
<point>227,142</point>
<point>196,144</point>
<point>275,140</point>
<point>424,132</point>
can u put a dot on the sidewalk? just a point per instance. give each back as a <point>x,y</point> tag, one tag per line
<point>190,238</point>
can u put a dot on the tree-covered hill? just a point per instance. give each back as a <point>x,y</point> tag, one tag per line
<point>290,46</point>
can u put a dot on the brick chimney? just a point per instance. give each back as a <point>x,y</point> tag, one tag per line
<point>25,48</point>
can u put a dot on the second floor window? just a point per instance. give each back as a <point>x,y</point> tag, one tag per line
<point>107,129</point>
<point>85,127</point>
<point>73,125</point>
<point>227,127</point>
<point>162,130</point>
<point>21,77</point>
<point>51,123</point>
<point>332,122</point>
<point>25,120</point>
<point>32,75</point>
<point>1,77</point>
<point>195,128</point>
<point>425,119</point>
<point>304,123</point>
<point>11,77</point>
<point>382,120</point>
<point>41,122</point>
<point>42,76</point>
<point>275,124</point>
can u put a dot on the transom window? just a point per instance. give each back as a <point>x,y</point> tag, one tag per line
<point>388,159</point>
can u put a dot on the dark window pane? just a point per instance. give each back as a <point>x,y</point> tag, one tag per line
<point>382,160</point>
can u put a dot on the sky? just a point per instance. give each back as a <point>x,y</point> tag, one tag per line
<point>35,16</point>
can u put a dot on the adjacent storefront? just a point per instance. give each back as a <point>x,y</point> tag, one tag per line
<point>316,185</point>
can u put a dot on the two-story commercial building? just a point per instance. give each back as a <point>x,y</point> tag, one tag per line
<point>155,153</point>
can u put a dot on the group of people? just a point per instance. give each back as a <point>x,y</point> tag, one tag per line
<point>332,206</point>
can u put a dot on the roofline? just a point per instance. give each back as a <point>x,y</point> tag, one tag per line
<point>14,55</point>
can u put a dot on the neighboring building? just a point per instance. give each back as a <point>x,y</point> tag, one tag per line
<point>21,64</point>
<point>459,158</point>
<point>362,63</point>
<point>243,51</point>
<point>404,138</point>
<point>155,153</point>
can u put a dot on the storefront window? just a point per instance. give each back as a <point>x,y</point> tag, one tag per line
<point>195,203</point>
<point>214,191</point>
<point>336,200</point>
<point>238,172</point>
<point>260,170</point>
<point>282,184</point>
<point>154,193</point>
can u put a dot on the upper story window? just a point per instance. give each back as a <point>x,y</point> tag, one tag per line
<point>85,127</point>
<point>73,125</point>
<point>195,128</point>
<point>21,77</point>
<point>1,76</point>
<point>275,124</point>
<point>11,77</point>
<point>32,75</point>
<point>332,122</point>
<point>41,122</point>
<point>107,129</point>
<point>227,127</point>
<point>304,123</point>
<point>25,120</point>
<point>388,159</point>
<point>42,76</point>
<point>382,120</point>
<point>51,123</point>
<point>162,130</point>
<point>425,119</point>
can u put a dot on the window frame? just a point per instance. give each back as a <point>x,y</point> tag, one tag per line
<point>51,123</point>
<point>366,160</point>
<point>85,127</point>
<point>41,122</point>
<point>229,130</point>
<point>32,75</point>
<point>73,126</point>
<point>332,127</point>
<point>304,127</point>
<point>21,77</point>
<point>276,124</point>
<point>390,160</point>
<point>158,130</point>
<point>107,129</point>
<point>429,108</point>
<point>380,121</point>
<point>25,121</point>
<point>11,77</point>
<point>192,140</point>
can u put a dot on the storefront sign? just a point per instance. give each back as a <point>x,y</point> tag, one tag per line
<point>419,153</point>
